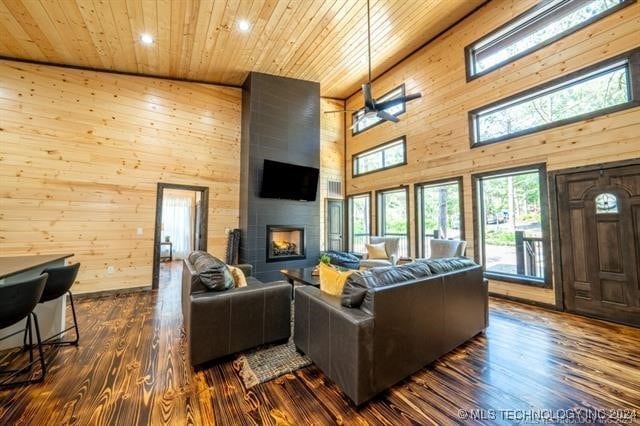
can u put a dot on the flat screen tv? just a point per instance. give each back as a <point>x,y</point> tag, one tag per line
<point>289,181</point>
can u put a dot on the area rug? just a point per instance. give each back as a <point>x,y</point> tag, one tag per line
<point>270,362</point>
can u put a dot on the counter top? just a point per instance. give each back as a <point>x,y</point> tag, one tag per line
<point>12,265</point>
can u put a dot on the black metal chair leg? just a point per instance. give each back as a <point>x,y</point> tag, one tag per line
<point>75,320</point>
<point>40,352</point>
<point>28,330</point>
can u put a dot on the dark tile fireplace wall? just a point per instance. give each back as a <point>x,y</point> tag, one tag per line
<point>280,122</point>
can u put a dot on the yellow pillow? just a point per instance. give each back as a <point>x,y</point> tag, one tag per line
<point>332,280</point>
<point>238,276</point>
<point>377,251</point>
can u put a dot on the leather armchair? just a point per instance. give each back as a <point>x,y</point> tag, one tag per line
<point>220,323</point>
<point>391,245</point>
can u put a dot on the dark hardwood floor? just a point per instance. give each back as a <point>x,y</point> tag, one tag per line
<point>131,368</point>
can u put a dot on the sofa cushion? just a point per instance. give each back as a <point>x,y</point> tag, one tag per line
<point>214,273</point>
<point>448,264</point>
<point>360,282</point>
<point>239,279</point>
<point>377,251</point>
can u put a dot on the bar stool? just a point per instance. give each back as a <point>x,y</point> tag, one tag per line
<point>17,302</point>
<point>60,280</point>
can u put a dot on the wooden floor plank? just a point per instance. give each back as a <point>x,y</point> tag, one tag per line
<point>132,368</point>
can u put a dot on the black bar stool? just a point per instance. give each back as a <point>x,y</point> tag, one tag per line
<point>17,302</point>
<point>60,280</point>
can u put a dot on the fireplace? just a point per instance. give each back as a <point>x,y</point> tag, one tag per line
<point>285,243</point>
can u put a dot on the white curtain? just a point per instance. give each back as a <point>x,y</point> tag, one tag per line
<point>177,223</point>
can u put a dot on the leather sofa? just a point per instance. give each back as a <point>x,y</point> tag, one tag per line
<point>219,323</point>
<point>390,322</point>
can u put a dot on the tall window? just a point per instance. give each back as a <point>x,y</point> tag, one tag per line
<point>385,156</point>
<point>360,125</point>
<point>393,219</point>
<point>534,29</point>
<point>359,211</point>
<point>511,223</point>
<point>597,90</point>
<point>439,212</point>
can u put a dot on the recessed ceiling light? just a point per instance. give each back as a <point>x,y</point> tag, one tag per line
<point>243,25</point>
<point>146,38</point>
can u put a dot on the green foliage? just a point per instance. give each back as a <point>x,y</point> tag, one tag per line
<point>500,238</point>
<point>325,259</point>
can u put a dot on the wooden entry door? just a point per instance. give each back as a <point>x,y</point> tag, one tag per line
<point>599,224</point>
<point>334,224</point>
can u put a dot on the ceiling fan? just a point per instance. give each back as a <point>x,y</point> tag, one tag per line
<point>372,108</point>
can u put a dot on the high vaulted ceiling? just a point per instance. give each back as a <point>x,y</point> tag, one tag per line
<point>318,40</point>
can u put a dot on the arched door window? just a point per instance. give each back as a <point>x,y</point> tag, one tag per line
<point>606,203</point>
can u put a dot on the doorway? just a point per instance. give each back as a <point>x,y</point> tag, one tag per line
<point>598,213</point>
<point>182,214</point>
<point>334,225</point>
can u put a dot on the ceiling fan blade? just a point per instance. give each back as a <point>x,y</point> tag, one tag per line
<point>369,103</point>
<point>386,116</point>
<point>342,110</point>
<point>397,101</point>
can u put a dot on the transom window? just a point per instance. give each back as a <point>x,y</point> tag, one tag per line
<point>385,156</point>
<point>597,90</point>
<point>511,225</point>
<point>606,203</point>
<point>393,216</point>
<point>534,29</point>
<point>359,212</point>
<point>440,212</point>
<point>366,123</point>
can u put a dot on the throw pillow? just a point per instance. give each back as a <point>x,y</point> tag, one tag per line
<point>377,251</point>
<point>238,277</point>
<point>332,280</point>
<point>214,273</point>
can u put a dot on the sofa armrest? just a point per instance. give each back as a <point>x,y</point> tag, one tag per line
<point>222,323</point>
<point>337,339</point>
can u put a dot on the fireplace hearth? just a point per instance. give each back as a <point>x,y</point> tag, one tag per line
<point>285,243</point>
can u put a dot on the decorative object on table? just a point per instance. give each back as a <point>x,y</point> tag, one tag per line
<point>332,280</point>
<point>167,239</point>
<point>270,362</point>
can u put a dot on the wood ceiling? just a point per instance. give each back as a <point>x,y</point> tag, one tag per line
<point>318,40</point>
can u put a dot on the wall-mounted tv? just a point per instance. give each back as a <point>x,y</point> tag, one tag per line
<point>289,181</point>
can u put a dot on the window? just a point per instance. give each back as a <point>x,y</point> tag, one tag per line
<point>594,91</point>
<point>534,29</point>
<point>439,212</point>
<point>393,220</point>
<point>359,211</point>
<point>606,203</point>
<point>511,225</point>
<point>385,156</point>
<point>362,125</point>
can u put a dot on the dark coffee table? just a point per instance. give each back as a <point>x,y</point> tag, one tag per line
<point>302,276</point>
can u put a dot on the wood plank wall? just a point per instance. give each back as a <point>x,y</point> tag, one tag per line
<point>331,154</point>
<point>81,153</point>
<point>436,125</point>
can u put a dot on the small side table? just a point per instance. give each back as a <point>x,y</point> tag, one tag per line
<point>170,257</point>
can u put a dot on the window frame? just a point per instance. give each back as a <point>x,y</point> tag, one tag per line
<point>633,69</point>
<point>380,218</point>
<point>469,51</point>
<point>402,139</point>
<point>349,217</point>
<point>419,210</point>
<point>479,225</point>
<point>404,109</point>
